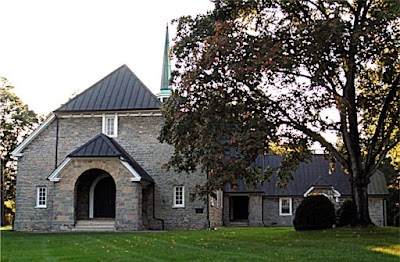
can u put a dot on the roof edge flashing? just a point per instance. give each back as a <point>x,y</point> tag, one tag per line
<point>17,152</point>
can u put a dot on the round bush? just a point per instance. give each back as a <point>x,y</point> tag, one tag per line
<point>346,214</point>
<point>314,212</point>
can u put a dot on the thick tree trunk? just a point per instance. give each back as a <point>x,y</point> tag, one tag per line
<point>360,199</point>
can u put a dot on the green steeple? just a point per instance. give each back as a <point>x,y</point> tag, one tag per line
<point>166,68</point>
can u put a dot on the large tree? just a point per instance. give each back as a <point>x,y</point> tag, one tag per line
<point>16,122</point>
<point>256,77</point>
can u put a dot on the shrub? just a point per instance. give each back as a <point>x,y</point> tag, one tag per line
<point>314,212</point>
<point>346,214</point>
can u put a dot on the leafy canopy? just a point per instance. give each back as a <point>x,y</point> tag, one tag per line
<point>258,77</point>
<point>16,122</point>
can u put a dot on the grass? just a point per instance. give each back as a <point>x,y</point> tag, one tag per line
<point>6,228</point>
<point>227,244</point>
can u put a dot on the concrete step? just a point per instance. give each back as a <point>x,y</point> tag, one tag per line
<point>239,223</point>
<point>92,229</point>
<point>94,226</point>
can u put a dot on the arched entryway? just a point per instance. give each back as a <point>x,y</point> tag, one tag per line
<point>95,195</point>
<point>102,198</point>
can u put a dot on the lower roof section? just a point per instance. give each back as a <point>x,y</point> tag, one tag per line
<point>315,172</point>
<point>103,146</point>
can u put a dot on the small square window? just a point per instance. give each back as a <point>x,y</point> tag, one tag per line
<point>179,196</point>
<point>41,197</point>
<point>110,125</point>
<point>285,206</point>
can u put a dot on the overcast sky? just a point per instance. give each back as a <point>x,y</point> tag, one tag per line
<point>51,49</point>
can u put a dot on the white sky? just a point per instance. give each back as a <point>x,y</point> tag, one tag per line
<point>51,49</point>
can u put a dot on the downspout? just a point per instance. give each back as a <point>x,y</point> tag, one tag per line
<point>154,210</point>
<point>56,153</point>
<point>55,167</point>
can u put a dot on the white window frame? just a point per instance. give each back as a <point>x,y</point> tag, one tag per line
<point>105,127</point>
<point>290,206</point>
<point>175,200</point>
<point>41,200</point>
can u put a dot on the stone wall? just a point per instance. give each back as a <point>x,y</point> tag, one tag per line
<point>377,209</point>
<point>272,218</point>
<point>33,168</point>
<point>216,205</point>
<point>138,136</point>
<point>128,195</point>
<point>255,209</point>
<point>271,212</point>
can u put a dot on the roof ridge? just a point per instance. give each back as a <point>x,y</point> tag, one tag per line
<point>140,81</point>
<point>90,87</point>
<point>104,138</point>
<point>101,95</point>
<point>109,142</point>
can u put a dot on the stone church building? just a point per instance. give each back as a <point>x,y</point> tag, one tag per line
<point>96,164</point>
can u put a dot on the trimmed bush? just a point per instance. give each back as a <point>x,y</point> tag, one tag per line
<point>314,212</point>
<point>346,214</point>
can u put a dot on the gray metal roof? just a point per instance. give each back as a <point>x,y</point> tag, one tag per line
<point>120,90</point>
<point>104,146</point>
<point>313,173</point>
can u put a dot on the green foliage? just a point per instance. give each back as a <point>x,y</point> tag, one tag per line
<point>226,244</point>
<point>346,214</point>
<point>16,122</point>
<point>251,74</point>
<point>314,212</point>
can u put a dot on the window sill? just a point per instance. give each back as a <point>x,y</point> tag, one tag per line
<point>40,207</point>
<point>111,136</point>
<point>178,206</point>
<point>285,215</point>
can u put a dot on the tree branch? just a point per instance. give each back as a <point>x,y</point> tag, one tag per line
<point>320,7</point>
<point>373,151</point>
<point>314,135</point>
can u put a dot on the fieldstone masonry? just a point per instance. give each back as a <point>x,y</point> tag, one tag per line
<point>136,206</point>
<point>128,194</point>
<point>138,136</point>
<point>255,210</point>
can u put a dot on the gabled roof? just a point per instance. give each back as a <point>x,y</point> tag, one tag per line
<point>103,146</point>
<point>312,173</point>
<point>120,90</point>
<point>100,146</point>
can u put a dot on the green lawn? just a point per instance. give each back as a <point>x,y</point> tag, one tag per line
<point>227,244</point>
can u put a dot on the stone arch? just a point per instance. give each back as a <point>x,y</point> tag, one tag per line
<point>128,204</point>
<point>85,194</point>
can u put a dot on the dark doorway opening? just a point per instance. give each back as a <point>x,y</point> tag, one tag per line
<point>239,207</point>
<point>104,198</point>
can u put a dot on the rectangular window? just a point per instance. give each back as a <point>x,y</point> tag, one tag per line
<point>217,199</point>
<point>285,206</point>
<point>41,197</point>
<point>110,125</point>
<point>179,196</point>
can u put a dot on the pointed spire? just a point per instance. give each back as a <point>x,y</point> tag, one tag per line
<point>166,68</point>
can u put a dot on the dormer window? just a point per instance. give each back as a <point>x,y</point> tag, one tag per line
<point>110,125</point>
